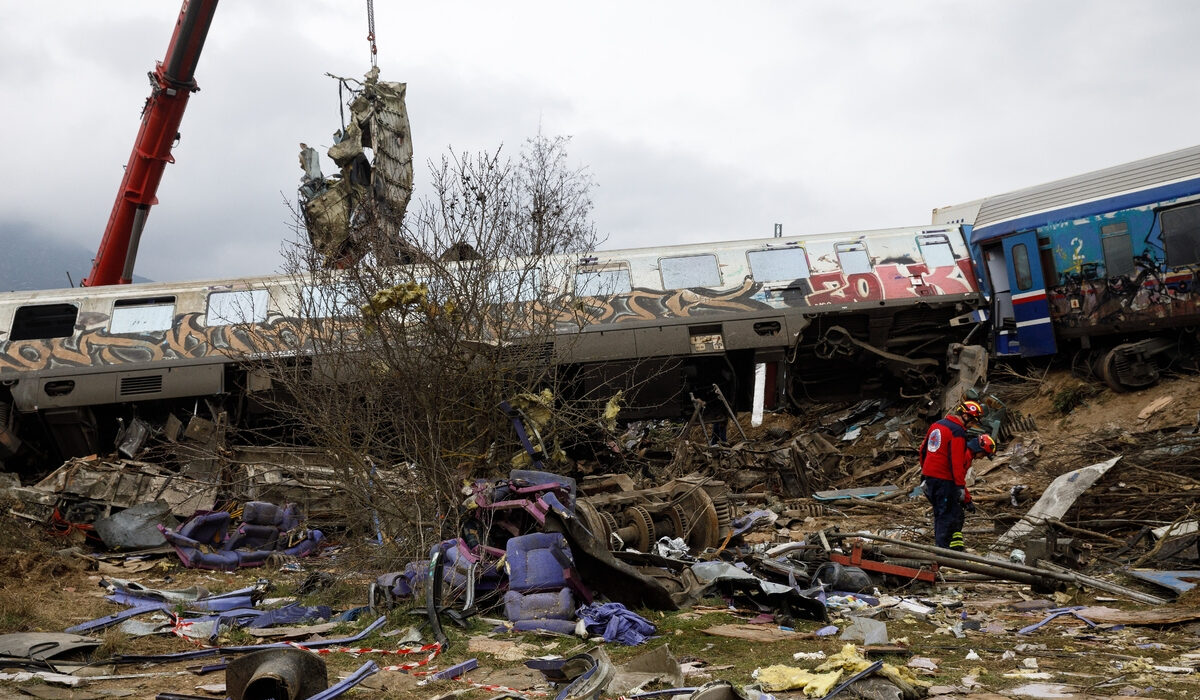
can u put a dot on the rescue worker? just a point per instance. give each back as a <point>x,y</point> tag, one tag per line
<point>945,458</point>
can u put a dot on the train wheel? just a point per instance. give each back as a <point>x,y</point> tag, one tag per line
<point>1130,366</point>
<point>1107,371</point>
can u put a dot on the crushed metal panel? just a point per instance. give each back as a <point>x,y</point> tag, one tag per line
<point>379,121</point>
<point>126,484</point>
<point>1178,581</point>
<point>1056,500</point>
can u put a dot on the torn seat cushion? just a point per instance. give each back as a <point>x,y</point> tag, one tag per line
<point>537,562</point>
<point>206,528</point>
<point>262,513</point>
<point>553,605</point>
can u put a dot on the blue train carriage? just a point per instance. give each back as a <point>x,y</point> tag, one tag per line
<point>1104,263</point>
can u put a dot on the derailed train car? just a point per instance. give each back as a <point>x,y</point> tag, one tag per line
<point>831,314</point>
<point>1102,266</point>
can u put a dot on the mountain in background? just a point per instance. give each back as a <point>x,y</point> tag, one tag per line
<point>31,259</point>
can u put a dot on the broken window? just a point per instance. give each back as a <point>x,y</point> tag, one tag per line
<point>1118,249</point>
<point>690,271</point>
<point>1181,235</point>
<point>231,308</point>
<point>936,250</point>
<point>1020,256</point>
<point>853,258</point>
<point>602,282</point>
<point>778,264</point>
<point>45,321</point>
<point>150,315</point>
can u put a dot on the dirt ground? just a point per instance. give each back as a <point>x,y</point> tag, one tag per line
<point>968,644</point>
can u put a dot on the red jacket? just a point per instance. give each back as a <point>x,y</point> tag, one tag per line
<point>944,454</point>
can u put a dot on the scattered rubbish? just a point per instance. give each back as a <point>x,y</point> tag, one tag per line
<point>655,666</point>
<point>1056,613</point>
<point>1154,407</point>
<point>782,678</point>
<point>1151,618</point>
<point>136,527</point>
<point>770,525</point>
<point>616,623</point>
<point>854,493</point>
<point>1058,497</point>
<point>869,632</point>
<point>455,671</point>
<point>1177,581</point>
<point>847,666</point>
<point>923,664</point>
<point>20,647</point>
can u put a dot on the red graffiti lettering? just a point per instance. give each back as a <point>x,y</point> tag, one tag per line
<point>896,280</point>
<point>834,288</point>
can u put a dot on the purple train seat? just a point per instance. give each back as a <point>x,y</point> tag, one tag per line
<point>204,542</point>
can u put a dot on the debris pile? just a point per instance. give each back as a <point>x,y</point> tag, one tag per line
<point>796,560</point>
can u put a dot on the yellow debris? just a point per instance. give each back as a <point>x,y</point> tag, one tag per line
<point>406,294</point>
<point>612,409</point>
<point>851,661</point>
<point>538,408</point>
<point>779,678</point>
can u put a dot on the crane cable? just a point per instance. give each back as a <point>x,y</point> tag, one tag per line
<point>371,31</point>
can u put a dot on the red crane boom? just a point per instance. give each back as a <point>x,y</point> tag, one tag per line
<point>171,83</point>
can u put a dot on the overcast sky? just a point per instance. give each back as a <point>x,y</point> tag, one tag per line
<point>700,121</point>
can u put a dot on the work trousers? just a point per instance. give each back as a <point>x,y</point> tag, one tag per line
<point>948,514</point>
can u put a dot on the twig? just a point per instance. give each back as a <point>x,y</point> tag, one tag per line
<point>1161,541</point>
<point>1080,531</point>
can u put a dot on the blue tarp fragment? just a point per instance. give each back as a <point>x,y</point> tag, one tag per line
<point>616,623</point>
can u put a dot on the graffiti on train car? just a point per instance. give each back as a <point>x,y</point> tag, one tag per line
<point>188,339</point>
<point>1144,301</point>
<point>1109,274</point>
<point>891,281</point>
<point>650,305</point>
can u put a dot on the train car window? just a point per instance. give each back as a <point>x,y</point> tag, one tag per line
<point>603,282</point>
<point>1181,235</point>
<point>507,286</point>
<point>1020,256</point>
<point>853,258</point>
<point>1118,249</point>
<point>936,250</point>
<point>327,302</point>
<point>230,308</point>
<point>778,264</point>
<point>690,271</point>
<point>149,315</point>
<point>43,322</point>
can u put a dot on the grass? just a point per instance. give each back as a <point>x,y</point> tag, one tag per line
<point>115,643</point>
<point>1071,396</point>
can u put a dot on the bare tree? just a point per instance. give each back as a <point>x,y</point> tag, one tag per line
<point>404,365</point>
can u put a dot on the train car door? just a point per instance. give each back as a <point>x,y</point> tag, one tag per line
<point>1030,304</point>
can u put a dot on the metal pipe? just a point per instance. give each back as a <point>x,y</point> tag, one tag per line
<point>993,572</point>
<point>1061,575</point>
